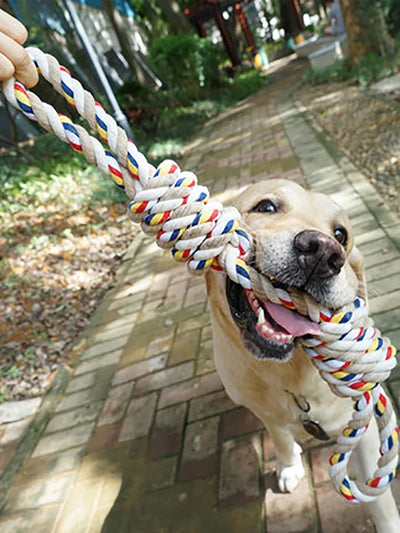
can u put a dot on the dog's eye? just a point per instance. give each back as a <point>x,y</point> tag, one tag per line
<point>340,234</point>
<point>265,206</point>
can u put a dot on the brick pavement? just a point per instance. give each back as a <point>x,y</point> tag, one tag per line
<point>144,438</point>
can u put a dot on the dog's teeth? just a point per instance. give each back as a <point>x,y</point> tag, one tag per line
<point>261,317</point>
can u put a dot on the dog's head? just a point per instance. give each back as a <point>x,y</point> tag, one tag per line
<point>302,240</point>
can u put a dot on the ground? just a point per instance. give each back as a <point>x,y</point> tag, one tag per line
<point>53,278</point>
<point>365,126</point>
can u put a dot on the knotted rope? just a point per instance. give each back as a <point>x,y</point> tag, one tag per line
<point>349,353</point>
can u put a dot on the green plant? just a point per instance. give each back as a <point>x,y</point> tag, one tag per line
<point>13,372</point>
<point>369,69</point>
<point>4,394</point>
<point>340,71</point>
<point>186,61</point>
<point>391,11</point>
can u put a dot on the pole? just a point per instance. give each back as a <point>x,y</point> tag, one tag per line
<point>119,116</point>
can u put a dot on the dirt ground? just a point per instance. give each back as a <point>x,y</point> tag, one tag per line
<point>50,289</point>
<point>365,126</point>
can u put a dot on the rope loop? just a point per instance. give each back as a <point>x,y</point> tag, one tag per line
<point>349,352</point>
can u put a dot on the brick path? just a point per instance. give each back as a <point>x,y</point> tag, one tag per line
<point>144,439</point>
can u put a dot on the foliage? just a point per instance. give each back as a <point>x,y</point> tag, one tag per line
<point>187,61</point>
<point>164,119</point>
<point>340,71</point>
<point>150,19</point>
<point>369,69</point>
<point>391,11</point>
<point>45,162</point>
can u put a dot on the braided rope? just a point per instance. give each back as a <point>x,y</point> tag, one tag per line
<point>349,353</point>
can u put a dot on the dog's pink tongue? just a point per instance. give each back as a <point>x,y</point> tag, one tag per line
<point>294,323</point>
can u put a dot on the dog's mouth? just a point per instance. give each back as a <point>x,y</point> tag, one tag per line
<point>268,330</point>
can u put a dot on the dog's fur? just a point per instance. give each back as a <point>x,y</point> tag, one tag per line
<point>277,381</point>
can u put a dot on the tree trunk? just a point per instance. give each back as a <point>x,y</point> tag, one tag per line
<point>135,61</point>
<point>174,14</point>
<point>290,18</point>
<point>366,29</point>
<point>236,33</point>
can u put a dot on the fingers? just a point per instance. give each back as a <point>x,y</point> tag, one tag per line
<point>12,27</point>
<point>14,60</point>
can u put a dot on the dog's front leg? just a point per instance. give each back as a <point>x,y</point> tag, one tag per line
<point>383,511</point>
<point>289,464</point>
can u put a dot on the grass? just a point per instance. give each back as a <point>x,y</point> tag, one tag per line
<point>369,69</point>
<point>48,171</point>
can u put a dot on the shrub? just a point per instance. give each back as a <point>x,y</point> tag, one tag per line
<point>340,71</point>
<point>186,61</point>
<point>369,69</point>
<point>391,10</point>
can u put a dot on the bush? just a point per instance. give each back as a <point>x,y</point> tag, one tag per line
<point>340,71</point>
<point>186,61</point>
<point>369,69</point>
<point>391,10</point>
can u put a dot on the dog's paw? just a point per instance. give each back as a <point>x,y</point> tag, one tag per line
<point>290,476</point>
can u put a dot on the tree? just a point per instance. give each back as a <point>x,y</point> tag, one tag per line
<point>174,14</point>
<point>366,29</point>
<point>290,17</point>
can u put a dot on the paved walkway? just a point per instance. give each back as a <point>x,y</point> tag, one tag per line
<point>141,437</point>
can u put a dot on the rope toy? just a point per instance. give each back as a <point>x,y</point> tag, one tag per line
<point>349,353</point>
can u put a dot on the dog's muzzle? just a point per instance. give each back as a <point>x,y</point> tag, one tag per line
<point>318,255</point>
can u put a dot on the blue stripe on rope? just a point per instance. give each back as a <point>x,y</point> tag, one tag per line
<point>102,124</point>
<point>68,91</point>
<point>70,127</point>
<point>228,226</point>
<point>242,271</point>
<point>26,108</point>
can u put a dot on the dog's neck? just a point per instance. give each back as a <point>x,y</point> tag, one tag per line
<point>311,426</point>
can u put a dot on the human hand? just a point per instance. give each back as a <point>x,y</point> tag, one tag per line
<point>14,60</point>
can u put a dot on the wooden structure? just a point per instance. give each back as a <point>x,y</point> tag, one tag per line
<point>206,10</point>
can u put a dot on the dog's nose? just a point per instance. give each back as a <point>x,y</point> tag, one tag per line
<point>318,254</point>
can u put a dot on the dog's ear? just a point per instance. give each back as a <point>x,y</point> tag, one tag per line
<point>356,262</point>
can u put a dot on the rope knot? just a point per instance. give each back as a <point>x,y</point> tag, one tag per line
<point>172,206</point>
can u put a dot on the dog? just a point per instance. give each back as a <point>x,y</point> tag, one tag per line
<point>303,240</point>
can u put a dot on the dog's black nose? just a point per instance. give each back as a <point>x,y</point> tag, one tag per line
<point>319,255</point>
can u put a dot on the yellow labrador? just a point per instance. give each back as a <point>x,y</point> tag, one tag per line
<point>303,240</point>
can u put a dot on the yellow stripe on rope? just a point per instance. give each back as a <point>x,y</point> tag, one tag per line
<point>340,375</point>
<point>336,319</point>
<point>23,98</point>
<point>374,345</point>
<point>157,218</point>
<point>101,131</point>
